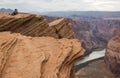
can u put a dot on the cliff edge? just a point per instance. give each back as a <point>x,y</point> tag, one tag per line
<point>32,48</point>
<point>35,26</point>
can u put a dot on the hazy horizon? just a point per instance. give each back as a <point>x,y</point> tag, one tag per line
<point>62,5</point>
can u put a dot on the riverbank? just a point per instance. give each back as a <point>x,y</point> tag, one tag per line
<point>94,55</point>
<point>80,66</point>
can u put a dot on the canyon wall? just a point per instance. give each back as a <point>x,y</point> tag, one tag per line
<point>112,57</point>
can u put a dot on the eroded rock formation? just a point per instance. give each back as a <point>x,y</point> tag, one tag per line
<point>112,57</point>
<point>93,33</point>
<point>35,26</point>
<point>63,28</point>
<point>38,57</point>
<point>31,48</point>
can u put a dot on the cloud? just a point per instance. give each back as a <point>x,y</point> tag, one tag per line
<point>61,5</point>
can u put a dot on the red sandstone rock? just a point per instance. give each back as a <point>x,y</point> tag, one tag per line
<point>64,29</point>
<point>35,26</point>
<point>93,33</point>
<point>33,48</point>
<point>37,57</point>
<point>112,57</point>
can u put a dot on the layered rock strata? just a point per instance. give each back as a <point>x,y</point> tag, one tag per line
<point>35,26</point>
<point>38,57</point>
<point>63,28</point>
<point>112,57</point>
<point>32,48</point>
<point>93,33</point>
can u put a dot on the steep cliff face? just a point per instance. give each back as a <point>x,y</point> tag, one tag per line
<point>35,26</point>
<point>84,33</point>
<point>95,34</point>
<point>105,29</point>
<point>32,48</point>
<point>37,57</point>
<point>112,57</point>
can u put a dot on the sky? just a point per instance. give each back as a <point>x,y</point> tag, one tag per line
<point>61,5</point>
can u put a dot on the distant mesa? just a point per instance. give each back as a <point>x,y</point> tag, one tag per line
<point>6,10</point>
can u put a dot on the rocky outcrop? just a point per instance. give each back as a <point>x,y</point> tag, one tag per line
<point>37,57</point>
<point>112,57</point>
<point>32,48</point>
<point>93,33</point>
<point>63,28</point>
<point>35,26</point>
<point>85,31</point>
